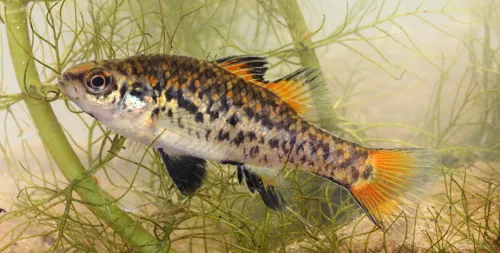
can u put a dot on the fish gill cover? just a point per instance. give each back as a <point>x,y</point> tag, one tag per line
<point>400,74</point>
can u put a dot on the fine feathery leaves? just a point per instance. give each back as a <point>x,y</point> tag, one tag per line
<point>419,74</point>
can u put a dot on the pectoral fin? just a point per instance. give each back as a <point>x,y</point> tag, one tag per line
<point>187,172</point>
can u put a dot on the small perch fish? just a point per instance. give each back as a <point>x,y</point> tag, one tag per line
<point>194,110</point>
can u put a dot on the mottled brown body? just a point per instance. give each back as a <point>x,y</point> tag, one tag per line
<point>227,113</point>
<point>192,110</point>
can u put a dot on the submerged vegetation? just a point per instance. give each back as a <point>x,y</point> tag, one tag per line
<point>400,74</point>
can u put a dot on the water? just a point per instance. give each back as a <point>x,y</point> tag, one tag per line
<point>419,76</point>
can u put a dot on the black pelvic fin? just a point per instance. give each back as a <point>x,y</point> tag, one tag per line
<point>264,185</point>
<point>187,172</point>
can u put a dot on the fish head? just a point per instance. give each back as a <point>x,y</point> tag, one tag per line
<point>100,90</point>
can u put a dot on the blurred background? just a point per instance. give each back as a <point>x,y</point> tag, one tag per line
<point>400,73</point>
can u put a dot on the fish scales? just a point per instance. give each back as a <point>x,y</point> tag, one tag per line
<point>240,115</point>
<point>192,110</point>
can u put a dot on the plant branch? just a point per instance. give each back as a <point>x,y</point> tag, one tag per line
<point>302,40</point>
<point>56,143</point>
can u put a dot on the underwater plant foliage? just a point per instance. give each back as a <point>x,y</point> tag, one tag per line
<point>400,74</point>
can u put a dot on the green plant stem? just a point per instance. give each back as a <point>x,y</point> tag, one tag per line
<point>308,58</point>
<point>52,135</point>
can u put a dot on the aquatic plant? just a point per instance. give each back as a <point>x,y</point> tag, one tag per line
<point>74,185</point>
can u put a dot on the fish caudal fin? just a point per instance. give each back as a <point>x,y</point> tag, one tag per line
<point>393,184</point>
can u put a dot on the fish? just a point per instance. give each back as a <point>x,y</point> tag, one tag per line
<point>193,110</point>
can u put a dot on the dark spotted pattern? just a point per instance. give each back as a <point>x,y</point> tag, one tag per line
<point>141,90</point>
<point>155,112</point>
<point>254,151</point>
<point>233,120</point>
<point>199,117</point>
<point>229,110</point>
<point>368,172</point>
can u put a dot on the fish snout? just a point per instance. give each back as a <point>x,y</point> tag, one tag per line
<point>68,89</point>
<point>61,84</point>
<point>63,87</point>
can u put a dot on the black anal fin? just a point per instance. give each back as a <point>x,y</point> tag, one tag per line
<point>266,185</point>
<point>239,173</point>
<point>187,172</point>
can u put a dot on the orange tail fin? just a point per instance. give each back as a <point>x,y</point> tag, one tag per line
<point>394,180</point>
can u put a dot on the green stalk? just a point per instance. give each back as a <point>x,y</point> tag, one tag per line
<point>51,133</point>
<point>308,58</point>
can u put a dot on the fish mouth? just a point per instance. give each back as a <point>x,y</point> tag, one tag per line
<point>69,91</point>
<point>62,87</point>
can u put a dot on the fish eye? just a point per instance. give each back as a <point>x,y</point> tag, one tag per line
<point>98,80</point>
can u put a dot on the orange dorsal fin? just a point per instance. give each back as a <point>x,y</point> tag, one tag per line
<point>249,67</point>
<point>302,90</point>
